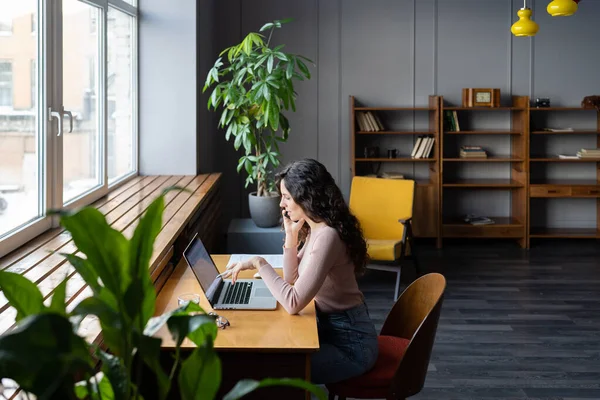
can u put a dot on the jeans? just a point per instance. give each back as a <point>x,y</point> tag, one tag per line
<point>348,345</point>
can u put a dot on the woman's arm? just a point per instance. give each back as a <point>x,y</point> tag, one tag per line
<point>321,258</point>
<point>290,264</point>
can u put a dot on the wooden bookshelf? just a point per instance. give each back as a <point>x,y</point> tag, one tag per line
<point>400,131</point>
<point>513,224</point>
<point>583,187</point>
<point>523,167</point>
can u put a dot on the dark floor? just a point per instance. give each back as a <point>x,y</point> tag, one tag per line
<point>515,324</point>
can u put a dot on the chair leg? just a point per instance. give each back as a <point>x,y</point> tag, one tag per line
<point>397,291</point>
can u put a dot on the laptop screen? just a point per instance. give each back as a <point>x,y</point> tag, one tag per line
<point>204,268</point>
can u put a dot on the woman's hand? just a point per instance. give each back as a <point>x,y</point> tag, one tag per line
<point>292,228</point>
<point>234,269</point>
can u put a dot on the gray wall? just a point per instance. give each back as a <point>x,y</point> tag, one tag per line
<point>167,81</point>
<point>397,53</point>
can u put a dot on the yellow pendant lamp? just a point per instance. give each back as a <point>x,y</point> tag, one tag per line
<point>562,8</point>
<point>524,26</point>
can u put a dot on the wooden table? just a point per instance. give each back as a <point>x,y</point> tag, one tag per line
<point>257,345</point>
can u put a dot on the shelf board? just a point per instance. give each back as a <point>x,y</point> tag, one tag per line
<point>396,133</point>
<point>556,159</point>
<point>401,159</point>
<point>498,221</point>
<point>394,109</point>
<point>484,183</point>
<point>484,132</point>
<point>563,233</point>
<point>487,159</point>
<point>566,133</point>
<point>484,108</point>
<point>561,109</point>
<point>565,182</point>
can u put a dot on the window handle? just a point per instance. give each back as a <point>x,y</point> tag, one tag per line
<point>58,116</point>
<point>65,112</point>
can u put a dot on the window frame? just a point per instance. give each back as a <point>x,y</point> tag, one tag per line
<point>49,146</point>
<point>8,23</point>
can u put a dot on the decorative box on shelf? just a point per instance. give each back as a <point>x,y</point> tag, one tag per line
<point>479,97</point>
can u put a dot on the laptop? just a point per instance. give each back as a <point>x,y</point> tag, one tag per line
<point>245,294</point>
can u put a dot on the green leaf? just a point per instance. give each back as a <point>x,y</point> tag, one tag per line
<point>181,325</point>
<point>247,386</point>
<point>110,321</point>
<point>281,56</point>
<point>303,68</point>
<point>43,356</point>
<point>99,385</point>
<point>116,373</point>
<point>266,26</point>
<point>141,295</point>
<point>273,115</point>
<point>213,97</point>
<point>154,324</point>
<point>284,21</point>
<point>200,375</point>
<point>289,70</point>
<point>85,270</point>
<point>22,294</point>
<point>96,306</point>
<point>149,351</point>
<point>59,304</point>
<point>228,133</point>
<point>241,163</point>
<point>106,249</point>
<point>270,64</point>
<point>203,333</point>
<point>238,141</point>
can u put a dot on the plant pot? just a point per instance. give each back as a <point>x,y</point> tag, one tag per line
<point>264,210</point>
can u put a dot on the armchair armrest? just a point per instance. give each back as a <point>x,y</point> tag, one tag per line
<point>405,221</point>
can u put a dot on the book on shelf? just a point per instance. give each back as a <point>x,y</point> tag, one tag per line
<point>391,175</point>
<point>588,153</point>
<point>558,130</point>
<point>369,121</point>
<point>472,152</point>
<point>451,121</point>
<point>423,147</point>
<point>478,220</point>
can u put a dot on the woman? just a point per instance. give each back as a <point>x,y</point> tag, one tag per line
<point>324,250</point>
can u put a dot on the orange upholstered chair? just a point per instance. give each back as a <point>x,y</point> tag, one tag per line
<point>405,345</point>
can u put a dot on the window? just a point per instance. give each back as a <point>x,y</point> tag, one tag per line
<point>6,84</point>
<point>96,149</point>
<point>5,25</point>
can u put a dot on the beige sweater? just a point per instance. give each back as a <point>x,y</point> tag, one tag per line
<point>322,270</point>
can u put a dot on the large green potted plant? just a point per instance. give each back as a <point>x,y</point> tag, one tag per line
<point>253,89</point>
<point>46,357</point>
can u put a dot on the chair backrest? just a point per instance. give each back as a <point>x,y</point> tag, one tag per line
<point>415,317</point>
<point>379,204</point>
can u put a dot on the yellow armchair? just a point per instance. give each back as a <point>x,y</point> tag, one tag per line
<point>384,208</point>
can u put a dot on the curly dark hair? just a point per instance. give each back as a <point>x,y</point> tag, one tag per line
<point>313,188</point>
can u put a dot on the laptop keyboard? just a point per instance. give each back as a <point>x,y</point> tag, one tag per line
<point>238,293</point>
